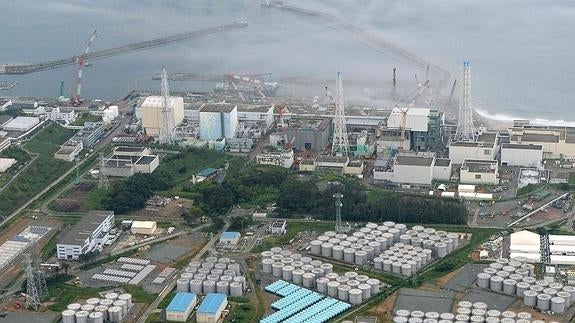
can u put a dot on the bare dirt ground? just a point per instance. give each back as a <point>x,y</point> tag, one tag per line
<point>73,200</point>
<point>173,210</point>
<point>384,310</point>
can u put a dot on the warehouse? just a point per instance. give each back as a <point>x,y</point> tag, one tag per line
<point>282,158</point>
<point>256,114</point>
<point>479,172</point>
<point>211,308</point>
<point>6,163</point>
<point>442,169</point>
<point>407,169</point>
<point>90,232</point>
<point>218,120</point>
<point>521,155</point>
<point>527,244</point>
<point>143,227</point>
<point>181,307</point>
<point>69,150</point>
<point>151,113</point>
<point>331,163</point>
<point>309,133</point>
<point>557,141</point>
<point>21,124</point>
<point>230,237</point>
<point>278,227</point>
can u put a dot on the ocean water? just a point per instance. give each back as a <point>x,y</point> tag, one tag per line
<point>521,51</point>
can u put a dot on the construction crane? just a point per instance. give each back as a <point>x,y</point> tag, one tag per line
<point>403,128</point>
<point>80,60</point>
<point>43,66</point>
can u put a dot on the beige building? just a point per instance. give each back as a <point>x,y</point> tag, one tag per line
<point>143,227</point>
<point>151,113</point>
<point>556,141</point>
<point>479,172</point>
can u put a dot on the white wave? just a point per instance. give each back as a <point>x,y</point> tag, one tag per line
<point>534,121</point>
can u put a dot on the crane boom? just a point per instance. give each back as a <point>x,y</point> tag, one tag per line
<point>80,60</point>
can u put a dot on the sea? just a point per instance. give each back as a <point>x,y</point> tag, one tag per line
<point>521,51</point>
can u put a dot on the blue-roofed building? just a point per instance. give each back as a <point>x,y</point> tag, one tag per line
<point>211,308</point>
<point>230,237</point>
<point>181,306</point>
<point>206,174</point>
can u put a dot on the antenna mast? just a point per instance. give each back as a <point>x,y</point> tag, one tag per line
<point>167,129</point>
<point>340,145</point>
<point>465,128</point>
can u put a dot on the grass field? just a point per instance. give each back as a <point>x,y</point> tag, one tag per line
<point>293,228</point>
<point>48,140</point>
<point>64,294</point>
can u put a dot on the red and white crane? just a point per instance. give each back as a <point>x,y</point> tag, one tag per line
<point>80,61</point>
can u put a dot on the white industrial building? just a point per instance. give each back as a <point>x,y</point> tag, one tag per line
<point>86,235</point>
<point>280,158</point>
<point>527,244</point>
<point>230,237</point>
<point>6,163</point>
<point>21,124</point>
<point>417,170</point>
<point>557,140</point>
<point>278,227</point>
<point>143,227</point>
<point>479,172</point>
<point>126,161</point>
<point>108,114</point>
<point>151,113</point>
<point>69,150</point>
<point>212,307</point>
<point>181,307</point>
<point>218,120</point>
<point>485,148</point>
<point>64,115</point>
<point>256,114</point>
<point>525,155</point>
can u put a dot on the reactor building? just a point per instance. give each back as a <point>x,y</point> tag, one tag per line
<point>218,120</point>
<point>151,113</point>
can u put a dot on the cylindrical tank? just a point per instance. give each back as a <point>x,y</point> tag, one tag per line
<point>349,255</point>
<point>352,283</point>
<point>496,265</point>
<point>82,316</point>
<point>112,296</point>
<point>465,304</point>
<point>355,296</point>
<point>530,268</point>
<point>360,258</point>
<point>297,276</point>
<point>516,277</point>
<point>418,314</point>
<point>447,316</point>
<point>74,307</point>
<point>102,309</point>
<point>318,272</point>
<point>566,296</point>
<point>365,291</point>
<point>508,314</point>
<point>543,302</point>
<point>209,286</point>
<point>115,314</point>
<point>374,284</point>
<point>343,292</point>
<point>182,285</point>
<point>406,270</point>
<point>479,305</point>
<point>287,272</point>
<point>557,305</point>
<point>387,265</point>
<point>187,276</point>
<point>403,313</point>
<point>321,284</point>
<point>327,268</point>
<point>449,243</point>
<point>332,276</point>
<point>287,261</point>
<point>277,269</point>
<point>378,263</point>
<point>214,277</point>
<point>396,267</point>
<point>369,251</point>
<point>464,310</point>
<point>326,249</point>
<point>483,280</point>
<point>530,298</point>
<point>236,289</point>
<point>550,291</point>
<point>69,316</point>
<point>520,288</point>
<point>509,286</point>
<point>196,286</point>
<point>536,288</point>
<point>440,249</point>
<point>490,271</point>
<point>267,265</point>
<point>400,319</point>
<point>87,307</point>
<point>223,287</point>
<point>337,252</point>
<point>96,317</point>
<point>542,283</point>
<point>395,233</point>
<point>524,316</point>
<point>106,302</point>
<point>332,287</point>
<point>123,305</point>
<point>428,255</point>
<point>241,280</point>
<point>93,301</point>
<point>570,290</point>
<point>493,313</point>
<point>417,242</point>
<point>267,254</point>
<point>529,280</point>
<point>405,239</point>
<point>496,283</point>
<point>308,280</point>
<point>230,278</point>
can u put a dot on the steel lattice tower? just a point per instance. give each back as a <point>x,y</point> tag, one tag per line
<point>340,145</point>
<point>167,128</point>
<point>103,182</point>
<point>32,294</point>
<point>339,226</point>
<point>465,128</point>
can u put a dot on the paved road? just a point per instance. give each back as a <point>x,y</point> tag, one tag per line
<point>172,284</point>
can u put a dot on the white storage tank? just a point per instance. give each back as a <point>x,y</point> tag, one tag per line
<point>327,268</point>
<point>196,286</point>
<point>369,251</point>
<point>490,271</point>
<point>318,272</point>
<point>123,305</point>
<point>277,269</point>
<point>403,313</point>
<point>387,265</point>
<point>566,296</point>
<point>102,309</point>
<point>223,287</point>
<point>440,249</point>
<point>343,292</point>
<point>112,296</point>
<point>182,285</point>
<point>496,283</point>
<point>396,267</point>
<point>74,307</point>
<point>406,270</point>
<point>378,263</point>
<point>209,286</point>
<point>493,313</point>
<point>287,272</point>
<point>332,276</point>
<point>365,290</point>
<point>529,280</point>
<point>115,314</point>
<point>536,288</point>
<point>418,314</point>
<point>87,307</point>
<point>321,284</point>
<point>236,289</point>
<point>428,255</point>
<point>524,316</point>
<point>530,298</point>
<point>106,302</point>
<point>520,288</point>
<point>96,317</point>
<point>550,291</point>
<point>297,276</point>
<point>93,301</point>
<point>332,288</point>
<point>337,252</point>
<point>360,258</point>
<point>374,284</point>
<point>543,302</point>
<point>558,305</point>
<point>395,233</point>
<point>326,249</point>
<point>69,316</point>
<point>267,254</point>
<point>267,265</point>
<point>349,255</point>
<point>355,296</point>
<point>400,319</point>
<point>82,316</point>
<point>483,280</point>
<point>509,286</point>
<point>308,280</point>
